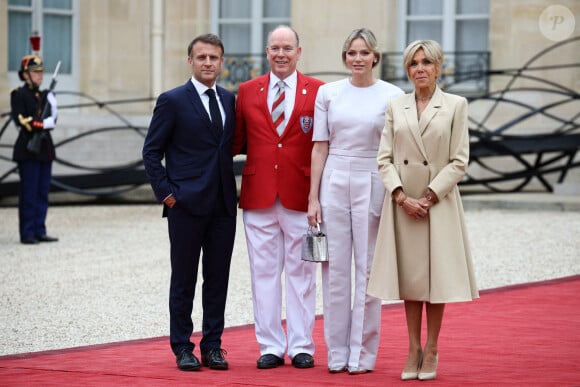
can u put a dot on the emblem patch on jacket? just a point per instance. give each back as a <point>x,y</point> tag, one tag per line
<point>306,123</point>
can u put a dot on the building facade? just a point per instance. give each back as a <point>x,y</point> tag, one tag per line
<point>122,50</point>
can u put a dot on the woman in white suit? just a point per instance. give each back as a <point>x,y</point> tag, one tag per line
<point>346,196</point>
<point>422,252</point>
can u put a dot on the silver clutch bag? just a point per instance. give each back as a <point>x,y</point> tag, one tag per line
<point>314,245</point>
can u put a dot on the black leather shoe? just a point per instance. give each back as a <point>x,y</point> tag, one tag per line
<point>186,361</point>
<point>46,238</point>
<point>29,241</point>
<point>269,361</point>
<point>214,359</point>
<point>303,360</point>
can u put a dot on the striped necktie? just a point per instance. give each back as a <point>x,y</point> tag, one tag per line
<point>278,109</point>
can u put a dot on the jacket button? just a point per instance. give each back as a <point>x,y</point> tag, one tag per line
<point>425,163</point>
<point>279,145</point>
<point>406,162</point>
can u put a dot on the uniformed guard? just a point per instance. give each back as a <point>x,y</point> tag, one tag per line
<point>35,113</point>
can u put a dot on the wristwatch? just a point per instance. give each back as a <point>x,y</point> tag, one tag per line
<point>429,195</point>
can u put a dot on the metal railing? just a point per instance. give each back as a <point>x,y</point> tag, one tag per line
<point>510,154</point>
<point>523,156</point>
<point>464,72</point>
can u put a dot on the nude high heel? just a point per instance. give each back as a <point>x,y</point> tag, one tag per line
<point>429,375</point>
<point>409,375</point>
<point>412,375</point>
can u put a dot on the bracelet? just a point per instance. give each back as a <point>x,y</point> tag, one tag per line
<point>429,195</point>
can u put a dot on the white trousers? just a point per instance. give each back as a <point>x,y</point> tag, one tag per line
<point>351,199</point>
<point>273,237</point>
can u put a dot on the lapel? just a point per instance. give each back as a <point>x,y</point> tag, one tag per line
<point>410,111</point>
<point>262,97</point>
<point>299,100</point>
<point>195,101</point>
<point>431,109</point>
<point>199,110</point>
<point>418,127</point>
<point>225,104</point>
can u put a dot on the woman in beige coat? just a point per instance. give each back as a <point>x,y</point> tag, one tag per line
<point>422,253</point>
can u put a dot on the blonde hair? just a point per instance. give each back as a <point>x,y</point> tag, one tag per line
<point>370,40</point>
<point>432,49</point>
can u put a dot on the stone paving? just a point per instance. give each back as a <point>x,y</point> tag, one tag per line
<point>107,279</point>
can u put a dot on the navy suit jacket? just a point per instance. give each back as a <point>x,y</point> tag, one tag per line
<point>198,159</point>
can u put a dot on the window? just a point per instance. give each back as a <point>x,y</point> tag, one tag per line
<point>460,26</point>
<point>54,21</point>
<point>243,26</point>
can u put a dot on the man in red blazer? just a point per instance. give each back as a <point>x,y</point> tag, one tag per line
<point>274,197</point>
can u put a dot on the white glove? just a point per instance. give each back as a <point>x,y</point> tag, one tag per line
<point>50,122</point>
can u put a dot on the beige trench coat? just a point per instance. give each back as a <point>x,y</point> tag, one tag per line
<point>430,259</point>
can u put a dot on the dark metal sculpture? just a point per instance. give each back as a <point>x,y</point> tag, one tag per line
<point>538,136</point>
<point>88,180</point>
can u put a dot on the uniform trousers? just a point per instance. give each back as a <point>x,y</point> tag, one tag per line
<point>273,237</point>
<point>33,192</point>
<point>351,198</point>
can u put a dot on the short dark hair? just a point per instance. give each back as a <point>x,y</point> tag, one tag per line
<point>212,39</point>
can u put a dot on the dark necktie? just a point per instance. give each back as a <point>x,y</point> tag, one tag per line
<point>214,111</point>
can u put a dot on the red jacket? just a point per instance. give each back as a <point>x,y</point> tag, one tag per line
<point>275,166</point>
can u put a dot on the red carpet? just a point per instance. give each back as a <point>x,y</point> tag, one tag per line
<point>519,335</point>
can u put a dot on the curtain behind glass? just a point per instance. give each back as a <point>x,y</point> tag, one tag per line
<point>472,6</point>
<point>420,30</point>
<point>57,4</point>
<point>19,24</point>
<point>425,7</point>
<point>236,38</point>
<point>471,35</point>
<point>235,9</point>
<point>57,42</point>
<point>22,3</point>
<point>279,8</point>
<point>235,35</point>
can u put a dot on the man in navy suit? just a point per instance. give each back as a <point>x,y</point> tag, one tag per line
<point>197,187</point>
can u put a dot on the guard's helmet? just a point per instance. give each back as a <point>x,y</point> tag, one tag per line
<point>30,63</point>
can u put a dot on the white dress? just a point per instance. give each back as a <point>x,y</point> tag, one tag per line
<point>351,119</point>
